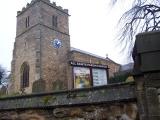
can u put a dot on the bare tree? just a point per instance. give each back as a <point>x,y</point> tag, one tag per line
<point>2,74</point>
<point>144,16</point>
<point>4,78</point>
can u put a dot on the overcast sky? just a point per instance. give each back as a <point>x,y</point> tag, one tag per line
<point>93,27</point>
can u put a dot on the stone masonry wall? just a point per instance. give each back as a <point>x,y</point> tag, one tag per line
<point>81,57</point>
<point>25,52</point>
<point>110,102</point>
<point>54,61</point>
<point>25,47</point>
<point>118,111</point>
<point>86,58</point>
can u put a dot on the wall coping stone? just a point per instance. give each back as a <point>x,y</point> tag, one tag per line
<point>103,94</point>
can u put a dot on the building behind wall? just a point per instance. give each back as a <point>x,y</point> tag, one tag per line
<point>42,50</point>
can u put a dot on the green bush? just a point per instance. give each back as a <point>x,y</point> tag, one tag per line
<point>121,77</point>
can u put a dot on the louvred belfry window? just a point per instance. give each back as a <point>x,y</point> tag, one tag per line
<point>24,75</point>
<point>54,21</point>
<point>27,22</point>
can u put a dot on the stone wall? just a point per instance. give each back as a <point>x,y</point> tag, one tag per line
<point>146,56</point>
<point>158,94</point>
<point>25,46</point>
<point>111,102</point>
<point>54,61</point>
<point>119,111</point>
<point>88,58</point>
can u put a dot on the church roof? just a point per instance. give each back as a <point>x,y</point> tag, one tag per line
<point>91,54</point>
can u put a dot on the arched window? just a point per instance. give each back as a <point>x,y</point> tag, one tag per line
<point>24,75</point>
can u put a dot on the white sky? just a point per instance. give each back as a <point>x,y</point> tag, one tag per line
<point>93,27</point>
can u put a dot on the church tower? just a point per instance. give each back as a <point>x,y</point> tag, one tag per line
<point>41,47</point>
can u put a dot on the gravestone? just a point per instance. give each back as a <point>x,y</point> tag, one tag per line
<point>39,86</point>
<point>57,85</point>
<point>3,90</point>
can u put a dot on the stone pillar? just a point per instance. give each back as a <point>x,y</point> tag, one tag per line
<point>141,97</point>
<point>147,97</point>
<point>146,55</point>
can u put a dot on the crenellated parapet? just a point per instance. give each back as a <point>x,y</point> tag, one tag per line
<point>53,4</point>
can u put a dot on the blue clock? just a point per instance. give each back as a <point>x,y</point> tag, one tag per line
<point>56,43</point>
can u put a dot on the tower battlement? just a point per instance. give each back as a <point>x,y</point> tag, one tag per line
<point>53,4</point>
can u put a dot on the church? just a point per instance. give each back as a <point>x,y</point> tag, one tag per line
<point>44,61</point>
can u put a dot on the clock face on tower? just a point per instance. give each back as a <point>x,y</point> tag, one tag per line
<point>56,43</point>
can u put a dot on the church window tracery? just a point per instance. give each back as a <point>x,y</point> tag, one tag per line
<point>24,75</point>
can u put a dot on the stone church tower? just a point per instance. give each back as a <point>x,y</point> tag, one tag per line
<point>41,46</point>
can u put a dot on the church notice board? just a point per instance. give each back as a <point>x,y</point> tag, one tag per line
<point>99,77</point>
<point>87,75</point>
<point>82,77</point>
